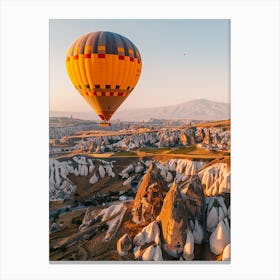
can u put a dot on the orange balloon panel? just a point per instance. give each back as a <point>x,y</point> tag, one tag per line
<point>104,67</point>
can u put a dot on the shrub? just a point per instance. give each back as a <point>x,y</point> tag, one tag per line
<point>103,226</point>
<point>56,216</point>
<point>76,220</point>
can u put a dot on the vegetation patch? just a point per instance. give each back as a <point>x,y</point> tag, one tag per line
<point>124,154</point>
<point>183,150</point>
<point>155,150</point>
<point>76,220</point>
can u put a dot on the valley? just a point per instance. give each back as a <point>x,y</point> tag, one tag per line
<point>141,193</point>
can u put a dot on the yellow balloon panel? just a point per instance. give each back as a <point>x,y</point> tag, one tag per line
<point>104,67</point>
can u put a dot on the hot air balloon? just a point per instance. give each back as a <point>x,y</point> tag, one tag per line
<point>104,67</point>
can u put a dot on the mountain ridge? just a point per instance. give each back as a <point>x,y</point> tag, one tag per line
<point>198,109</point>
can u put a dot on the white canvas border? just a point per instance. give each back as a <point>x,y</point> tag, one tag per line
<point>255,137</point>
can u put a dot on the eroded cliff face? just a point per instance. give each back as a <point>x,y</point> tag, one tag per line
<point>149,198</point>
<point>186,214</point>
<point>182,213</point>
<point>173,222</point>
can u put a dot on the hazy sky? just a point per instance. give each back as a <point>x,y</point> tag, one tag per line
<point>168,76</point>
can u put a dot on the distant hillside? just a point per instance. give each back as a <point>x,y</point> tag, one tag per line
<point>200,109</point>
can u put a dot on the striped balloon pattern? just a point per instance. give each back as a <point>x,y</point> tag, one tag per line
<point>104,67</point>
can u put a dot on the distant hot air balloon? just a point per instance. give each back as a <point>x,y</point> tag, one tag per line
<point>104,67</point>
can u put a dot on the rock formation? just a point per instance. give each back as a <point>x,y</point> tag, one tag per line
<point>60,184</point>
<point>226,253</point>
<point>220,238</point>
<point>187,218</point>
<point>192,193</point>
<point>216,211</point>
<point>124,244</point>
<point>183,139</point>
<point>212,136</point>
<point>173,222</point>
<point>87,220</point>
<point>216,179</point>
<point>113,216</point>
<point>152,253</point>
<point>149,197</point>
<point>189,247</point>
<point>207,139</point>
<point>147,243</point>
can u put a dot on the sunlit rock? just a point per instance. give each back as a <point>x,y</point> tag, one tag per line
<point>148,253</point>
<point>219,239</point>
<point>173,222</point>
<point>157,254</point>
<point>226,253</point>
<point>139,239</point>
<point>198,232</point>
<point>152,233</point>
<point>101,171</point>
<point>149,197</point>
<point>128,181</point>
<point>169,177</point>
<point>189,247</point>
<point>212,219</point>
<point>94,179</point>
<point>113,216</point>
<point>124,244</point>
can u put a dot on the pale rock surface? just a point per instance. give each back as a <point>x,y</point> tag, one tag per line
<point>76,172</point>
<point>225,184</point>
<point>152,233</point>
<point>127,170</point>
<point>125,175</point>
<point>128,181</point>
<point>157,254</point>
<point>189,247</point>
<point>54,227</point>
<point>173,220</point>
<point>137,251</point>
<point>216,179</point>
<point>216,211</point>
<point>219,239</point>
<point>149,197</point>
<point>221,214</point>
<point>87,220</point>
<point>124,244</point>
<point>198,232</point>
<point>169,177</point>
<point>148,253</point>
<point>192,193</point>
<point>94,179</point>
<point>226,253</point>
<point>123,198</point>
<point>221,201</point>
<point>139,239</point>
<point>139,168</point>
<point>212,219</point>
<point>101,171</point>
<point>113,216</point>
<point>172,165</point>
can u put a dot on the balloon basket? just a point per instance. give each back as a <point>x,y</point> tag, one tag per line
<point>105,123</point>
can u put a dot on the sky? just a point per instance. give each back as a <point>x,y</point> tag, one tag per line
<point>182,60</point>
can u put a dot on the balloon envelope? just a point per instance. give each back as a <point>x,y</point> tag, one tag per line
<point>104,67</point>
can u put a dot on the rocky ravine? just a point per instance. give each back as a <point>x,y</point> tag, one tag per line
<point>214,138</point>
<point>183,205</point>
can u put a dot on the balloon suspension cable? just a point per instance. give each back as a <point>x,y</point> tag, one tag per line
<point>105,123</point>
